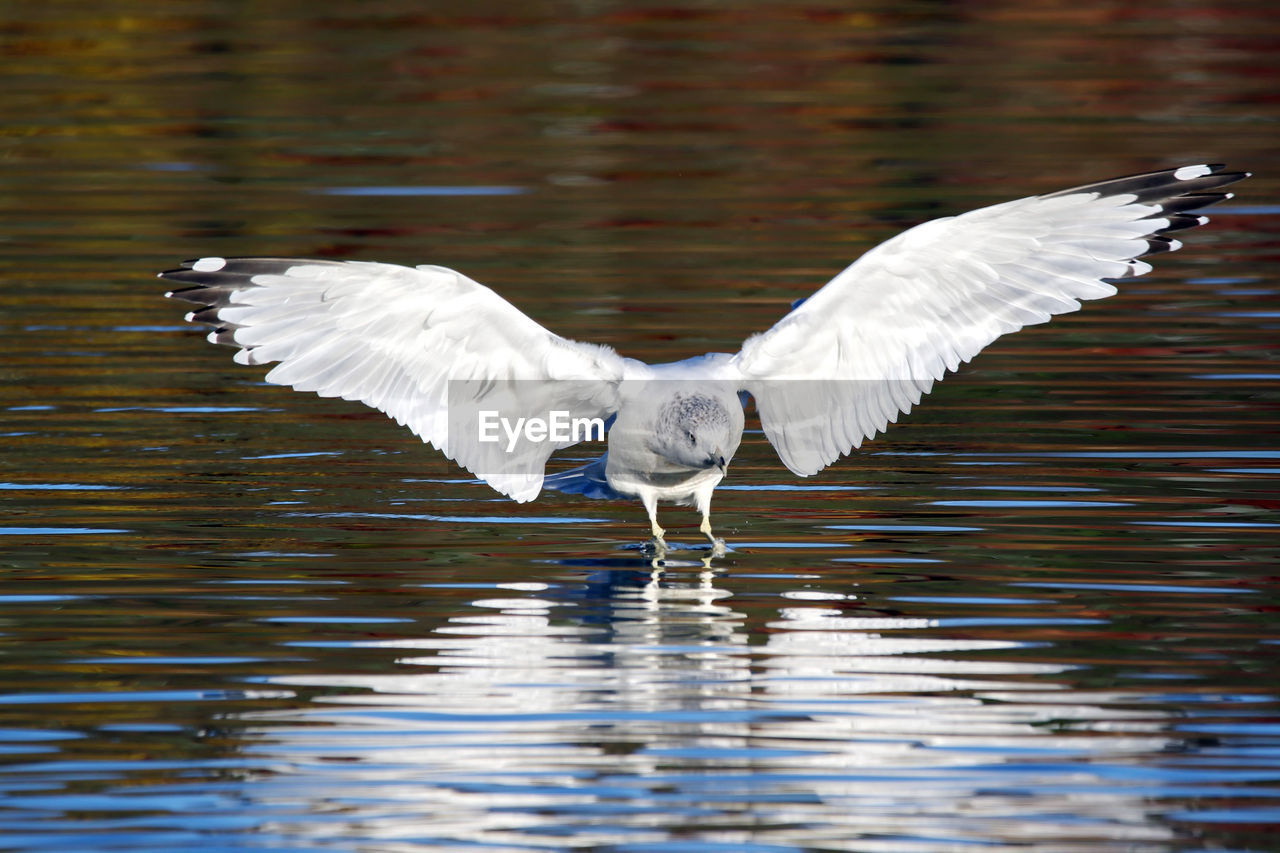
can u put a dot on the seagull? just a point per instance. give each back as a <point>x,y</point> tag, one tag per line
<point>496,392</point>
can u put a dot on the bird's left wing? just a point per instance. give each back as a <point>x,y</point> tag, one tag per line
<point>428,346</point>
<point>843,364</point>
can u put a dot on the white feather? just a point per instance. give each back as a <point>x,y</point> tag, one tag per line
<point>395,337</point>
<point>847,361</point>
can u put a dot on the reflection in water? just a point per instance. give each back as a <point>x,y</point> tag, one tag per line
<point>635,708</point>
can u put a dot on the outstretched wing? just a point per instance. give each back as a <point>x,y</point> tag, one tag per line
<point>842,365</point>
<point>427,345</point>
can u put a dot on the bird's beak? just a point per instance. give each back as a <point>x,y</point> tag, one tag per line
<point>721,463</point>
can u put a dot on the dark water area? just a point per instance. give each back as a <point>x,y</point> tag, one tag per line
<point>1040,613</point>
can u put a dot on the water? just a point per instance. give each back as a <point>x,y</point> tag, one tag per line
<point>1038,614</point>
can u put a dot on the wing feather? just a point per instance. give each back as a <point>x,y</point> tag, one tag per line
<point>401,339</point>
<point>842,366</point>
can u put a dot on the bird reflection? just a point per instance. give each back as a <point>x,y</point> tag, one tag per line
<point>621,701</point>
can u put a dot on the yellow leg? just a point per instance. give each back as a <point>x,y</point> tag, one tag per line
<point>717,545</point>
<point>651,507</point>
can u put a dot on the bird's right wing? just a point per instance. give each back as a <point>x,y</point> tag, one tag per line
<point>843,364</point>
<point>427,346</point>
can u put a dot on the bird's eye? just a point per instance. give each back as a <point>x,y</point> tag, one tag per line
<point>693,439</point>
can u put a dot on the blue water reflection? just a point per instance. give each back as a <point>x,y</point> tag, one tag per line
<point>625,709</point>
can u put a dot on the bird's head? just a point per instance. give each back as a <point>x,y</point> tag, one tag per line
<point>697,430</point>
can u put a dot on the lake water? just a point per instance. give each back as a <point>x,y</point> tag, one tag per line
<point>1042,613</point>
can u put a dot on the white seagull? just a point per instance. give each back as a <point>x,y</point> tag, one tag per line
<point>452,360</point>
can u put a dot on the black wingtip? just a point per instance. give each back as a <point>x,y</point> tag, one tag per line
<point>1168,187</point>
<point>1174,195</point>
<point>1158,243</point>
<point>197,293</point>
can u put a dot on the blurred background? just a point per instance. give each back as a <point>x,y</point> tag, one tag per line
<point>1038,614</point>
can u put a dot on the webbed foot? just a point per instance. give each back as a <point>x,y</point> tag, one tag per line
<point>717,545</point>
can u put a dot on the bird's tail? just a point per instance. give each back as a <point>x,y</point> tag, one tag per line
<point>586,480</point>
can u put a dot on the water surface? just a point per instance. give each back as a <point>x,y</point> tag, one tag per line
<point>1038,614</point>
